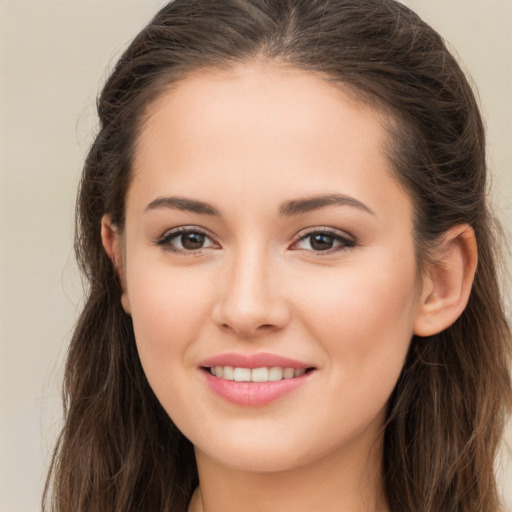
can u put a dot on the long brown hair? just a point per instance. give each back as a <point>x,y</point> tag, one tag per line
<point>119,450</point>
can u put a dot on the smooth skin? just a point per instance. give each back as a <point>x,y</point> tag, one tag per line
<point>334,283</point>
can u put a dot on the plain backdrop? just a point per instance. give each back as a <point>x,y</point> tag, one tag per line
<point>54,55</point>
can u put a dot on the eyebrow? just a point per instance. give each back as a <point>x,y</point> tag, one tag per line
<point>298,206</point>
<point>182,203</point>
<point>287,209</point>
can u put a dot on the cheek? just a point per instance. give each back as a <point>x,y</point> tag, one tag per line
<point>364,316</point>
<point>168,308</point>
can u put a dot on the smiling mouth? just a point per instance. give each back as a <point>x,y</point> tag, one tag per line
<point>263,374</point>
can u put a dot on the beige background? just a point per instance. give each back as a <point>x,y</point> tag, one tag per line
<point>53,56</point>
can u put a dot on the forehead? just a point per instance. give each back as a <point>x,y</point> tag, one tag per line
<point>247,96</point>
<point>261,121</point>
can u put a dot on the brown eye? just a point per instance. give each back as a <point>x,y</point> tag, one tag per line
<point>324,242</point>
<point>186,240</point>
<point>192,241</point>
<point>321,242</point>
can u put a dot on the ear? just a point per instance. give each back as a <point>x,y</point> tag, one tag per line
<point>112,243</point>
<point>447,284</point>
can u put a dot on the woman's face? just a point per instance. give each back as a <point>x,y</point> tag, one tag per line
<point>264,229</point>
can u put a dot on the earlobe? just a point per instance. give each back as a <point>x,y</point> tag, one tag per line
<point>447,286</point>
<point>111,240</point>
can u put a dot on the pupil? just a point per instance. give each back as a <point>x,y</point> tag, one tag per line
<point>321,242</point>
<point>192,240</point>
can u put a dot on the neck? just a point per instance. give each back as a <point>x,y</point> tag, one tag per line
<point>337,482</point>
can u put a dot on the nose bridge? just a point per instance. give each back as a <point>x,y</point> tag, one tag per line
<point>252,300</point>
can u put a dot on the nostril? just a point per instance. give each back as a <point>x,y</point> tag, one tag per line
<point>247,330</point>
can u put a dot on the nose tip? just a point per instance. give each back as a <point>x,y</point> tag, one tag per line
<point>248,323</point>
<point>251,303</point>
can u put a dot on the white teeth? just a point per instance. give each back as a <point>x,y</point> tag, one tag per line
<point>275,373</point>
<point>288,373</point>
<point>228,373</point>
<point>242,374</point>
<point>259,375</point>
<point>262,374</point>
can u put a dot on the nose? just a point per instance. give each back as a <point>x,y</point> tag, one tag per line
<point>251,299</point>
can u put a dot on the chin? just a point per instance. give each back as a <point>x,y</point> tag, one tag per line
<point>270,454</point>
<point>257,461</point>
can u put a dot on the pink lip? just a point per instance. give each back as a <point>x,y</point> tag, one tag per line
<point>259,360</point>
<point>253,394</point>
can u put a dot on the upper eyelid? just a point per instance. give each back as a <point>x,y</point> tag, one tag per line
<point>324,229</point>
<point>186,229</point>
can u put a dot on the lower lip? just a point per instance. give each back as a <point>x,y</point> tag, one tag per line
<point>254,394</point>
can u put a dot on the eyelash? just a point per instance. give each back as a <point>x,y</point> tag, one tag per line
<point>344,241</point>
<point>166,239</point>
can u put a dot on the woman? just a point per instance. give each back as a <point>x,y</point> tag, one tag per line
<point>293,297</point>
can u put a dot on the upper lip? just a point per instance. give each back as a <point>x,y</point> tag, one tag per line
<point>258,360</point>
